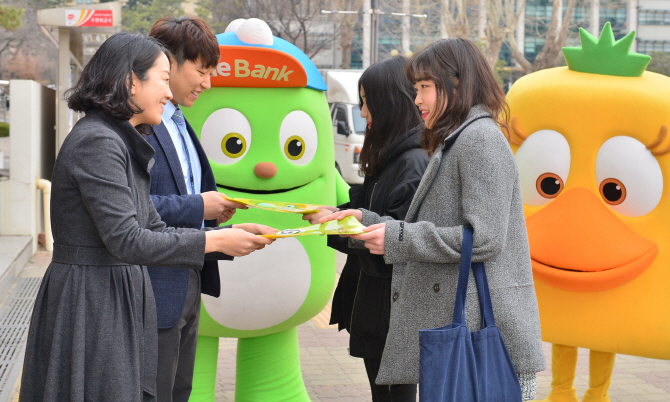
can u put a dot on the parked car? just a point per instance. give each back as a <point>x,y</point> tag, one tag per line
<point>348,125</point>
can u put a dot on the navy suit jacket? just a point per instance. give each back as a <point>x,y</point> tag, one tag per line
<point>177,208</point>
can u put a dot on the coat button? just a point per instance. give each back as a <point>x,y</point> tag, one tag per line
<point>436,287</point>
<point>395,296</point>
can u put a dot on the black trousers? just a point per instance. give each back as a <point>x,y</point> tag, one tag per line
<point>387,393</point>
<point>176,349</point>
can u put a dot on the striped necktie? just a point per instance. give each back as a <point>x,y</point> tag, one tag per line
<point>178,117</point>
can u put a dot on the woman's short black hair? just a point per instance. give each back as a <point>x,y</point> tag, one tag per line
<point>106,80</point>
<point>389,97</point>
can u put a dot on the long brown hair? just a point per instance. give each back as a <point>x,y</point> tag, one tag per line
<point>463,79</point>
<point>390,101</point>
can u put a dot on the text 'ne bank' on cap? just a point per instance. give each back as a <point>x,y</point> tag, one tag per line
<point>252,57</point>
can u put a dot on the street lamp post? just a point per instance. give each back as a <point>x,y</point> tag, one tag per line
<point>374,31</point>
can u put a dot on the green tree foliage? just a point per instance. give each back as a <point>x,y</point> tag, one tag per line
<point>10,17</point>
<point>660,63</point>
<point>139,15</point>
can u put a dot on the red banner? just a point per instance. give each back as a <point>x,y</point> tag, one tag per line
<point>88,18</point>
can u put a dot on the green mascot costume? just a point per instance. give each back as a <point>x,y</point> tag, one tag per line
<point>267,131</point>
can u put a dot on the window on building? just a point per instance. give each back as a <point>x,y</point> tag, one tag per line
<point>653,17</point>
<point>648,46</point>
<point>538,20</point>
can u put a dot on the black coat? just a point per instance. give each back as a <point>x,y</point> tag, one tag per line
<point>93,329</point>
<point>389,192</point>
<point>345,292</point>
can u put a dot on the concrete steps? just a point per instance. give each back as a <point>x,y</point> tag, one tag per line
<point>15,252</point>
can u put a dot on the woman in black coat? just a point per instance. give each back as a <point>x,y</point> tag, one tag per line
<point>393,162</point>
<point>93,333</point>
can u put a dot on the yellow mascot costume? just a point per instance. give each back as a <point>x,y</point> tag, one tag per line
<point>590,142</point>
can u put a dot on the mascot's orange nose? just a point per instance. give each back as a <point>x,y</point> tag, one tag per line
<point>578,244</point>
<point>265,170</point>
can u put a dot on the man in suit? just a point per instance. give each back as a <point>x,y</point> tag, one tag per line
<point>184,193</point>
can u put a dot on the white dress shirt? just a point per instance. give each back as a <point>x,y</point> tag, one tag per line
<point>193,154</point>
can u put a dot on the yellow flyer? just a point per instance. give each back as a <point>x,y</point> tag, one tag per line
<point>348,225</point>
<point>277,206</point>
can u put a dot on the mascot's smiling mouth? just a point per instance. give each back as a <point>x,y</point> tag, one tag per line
<point>248,191</point>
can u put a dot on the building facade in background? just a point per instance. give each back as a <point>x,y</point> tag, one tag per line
<point>650,19</point>
<point>653,26</point>
<point>590,15</point>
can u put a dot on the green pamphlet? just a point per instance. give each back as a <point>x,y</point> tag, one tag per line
<point>348,225</point>
<point>277,206</point>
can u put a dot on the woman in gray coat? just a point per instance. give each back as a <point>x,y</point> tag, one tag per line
<point>93,330</point>
<point>472,180</point>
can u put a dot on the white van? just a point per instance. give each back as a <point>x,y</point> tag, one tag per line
<point>348,125</point>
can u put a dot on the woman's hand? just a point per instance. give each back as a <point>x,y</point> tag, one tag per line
<point>236,242</point>
<point>255,228</point>
<point>324,210</point>
<point>374,238</point>
<point>356,213</point>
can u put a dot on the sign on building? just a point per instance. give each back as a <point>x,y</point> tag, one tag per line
<point>88,18</point>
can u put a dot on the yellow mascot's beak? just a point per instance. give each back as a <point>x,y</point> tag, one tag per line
<point>578,244</point>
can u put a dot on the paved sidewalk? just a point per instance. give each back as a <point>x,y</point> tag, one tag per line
<point>331,375</point>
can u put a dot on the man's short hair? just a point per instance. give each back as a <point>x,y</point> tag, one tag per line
<point>187,38</point>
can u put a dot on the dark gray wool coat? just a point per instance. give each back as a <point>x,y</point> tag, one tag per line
<point>475,183</point>
<point>93,330</point>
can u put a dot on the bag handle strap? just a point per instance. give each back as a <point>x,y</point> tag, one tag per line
<point>463,276</point>
<point>481,281</point>
<point>484,294</point>
<point>451,139</point>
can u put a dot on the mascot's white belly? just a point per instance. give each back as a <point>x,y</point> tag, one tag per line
<point>262,289</point>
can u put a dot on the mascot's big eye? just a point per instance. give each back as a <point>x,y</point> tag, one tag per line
<point>298,137</point>
<point>544,163</point>
<point>629,176</point>
<point>226,136</point>
<point>234,145</point>
<point>549,185</point>
<point>613,191</point>
<point>294,148</point>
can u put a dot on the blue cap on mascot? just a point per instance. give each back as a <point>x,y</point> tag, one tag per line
<point>252,57</point>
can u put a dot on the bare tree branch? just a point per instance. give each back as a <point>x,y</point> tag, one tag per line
<point>554,41</point>
<point>346,22</point>
<point>297,21</point>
